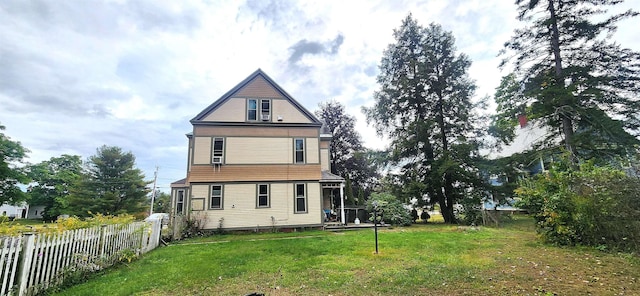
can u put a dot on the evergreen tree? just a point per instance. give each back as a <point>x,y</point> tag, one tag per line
<point>12,173</point>
<point>424,106</point>
<point>573,78</point>
<point>111,185</point>
<point>348,157</point>
<point>54,179</point>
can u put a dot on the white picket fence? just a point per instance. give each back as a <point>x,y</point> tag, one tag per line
<point>33,262</point>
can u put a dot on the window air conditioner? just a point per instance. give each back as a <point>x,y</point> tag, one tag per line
<point>265,117</point>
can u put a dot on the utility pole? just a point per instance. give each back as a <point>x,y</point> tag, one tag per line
<point>153,193</point>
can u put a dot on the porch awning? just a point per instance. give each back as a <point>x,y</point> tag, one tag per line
<point>330,180</point>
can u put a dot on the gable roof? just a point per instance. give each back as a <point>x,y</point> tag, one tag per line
<point>258,73</point>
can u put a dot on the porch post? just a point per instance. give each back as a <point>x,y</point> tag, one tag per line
<point>342,218</point>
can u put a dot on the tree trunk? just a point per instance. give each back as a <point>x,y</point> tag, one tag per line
<point>567,121</point>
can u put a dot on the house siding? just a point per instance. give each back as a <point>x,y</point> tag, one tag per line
<point>288,113</point>
<point>324,159</point>
<point>230,111</point>
<point>258,88</point>
<point>255,131</point>
<point>241,212</point>
<point>202,150</point>
<point>259,151</point>
<point>230,173</point>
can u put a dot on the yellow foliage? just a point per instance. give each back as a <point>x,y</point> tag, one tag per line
<point>13,228</point>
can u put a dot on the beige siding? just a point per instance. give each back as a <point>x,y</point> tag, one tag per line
<point>233,173</point>
<point>258,88</point>
<point>324,159</point>
<point>198,204</point>
<point>288,112</point>
<point>259,150</point>
<point>200,191</point>
<point>233,110</point>
<point>313,155</point>
<point>202,150</point>
<point>240,208</point>
<point>255,131</point>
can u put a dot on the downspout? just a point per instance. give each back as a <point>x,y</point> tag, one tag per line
<point>342,218</point>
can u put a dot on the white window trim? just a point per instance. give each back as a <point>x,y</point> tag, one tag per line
<point>258,206</point>
<point>257,109</point>
<point>213,152</point>
<point>180,202</point>
<point>296,197</point>
<point>295,151</point>
<point>221,197</point>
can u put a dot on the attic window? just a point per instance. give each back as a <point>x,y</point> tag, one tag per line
<point>252,109</point>
<point>258,110</point>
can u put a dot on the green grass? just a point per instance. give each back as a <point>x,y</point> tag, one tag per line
<point>418,260</point>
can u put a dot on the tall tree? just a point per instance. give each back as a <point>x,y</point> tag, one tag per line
<point>349,158</point>
<point>53,180</point>
<point>162,202</point>
<point>574,78</point>
<point>111,185</point>
<point>424,107</point>
<point>12,173</point>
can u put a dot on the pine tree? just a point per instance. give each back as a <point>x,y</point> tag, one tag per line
<point>424,107</point>
<point>573,78</point>
<point>111,185</point>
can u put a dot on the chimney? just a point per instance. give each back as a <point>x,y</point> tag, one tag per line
<point>522,119</point>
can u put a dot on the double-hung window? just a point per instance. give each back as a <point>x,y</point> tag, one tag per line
<point>258,110</point>
<point>300,198</point>
<point>216,197</point>
<point>218,150</point>
<point>265,110</point>
<point>299,150</point>
<point>252,109</point>
<point>180,202</point>
<point>262,198</point>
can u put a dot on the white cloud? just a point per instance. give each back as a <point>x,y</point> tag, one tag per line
<point>78,75</point>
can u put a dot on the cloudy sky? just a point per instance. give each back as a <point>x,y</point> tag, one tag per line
<point>76,75</point>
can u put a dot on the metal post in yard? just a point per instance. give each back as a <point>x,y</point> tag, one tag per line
<point>375,222</point>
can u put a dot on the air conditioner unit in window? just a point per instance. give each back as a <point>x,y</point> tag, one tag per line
<point>217,160</point>
<point>265,117</point>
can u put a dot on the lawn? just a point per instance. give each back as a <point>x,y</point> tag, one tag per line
<point>432,259</point>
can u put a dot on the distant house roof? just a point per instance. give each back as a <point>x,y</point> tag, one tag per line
<point>245,82</point>
<point>179,183</point>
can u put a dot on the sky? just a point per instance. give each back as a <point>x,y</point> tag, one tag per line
<point>76,75</point>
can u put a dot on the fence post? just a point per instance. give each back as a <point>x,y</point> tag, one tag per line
<point>25,265</point>
<point>103,234</point>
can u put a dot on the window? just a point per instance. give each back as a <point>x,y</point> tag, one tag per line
<point>263,196</point>
<point>300,199</point>
<point>180,202</point>
<point>216,197</point>
<point>265,110</point>
<point>299,150</point>
<point>218,150</point>
<point>252,109</point>
<point>258,110</point>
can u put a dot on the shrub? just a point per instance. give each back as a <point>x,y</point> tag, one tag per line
<point>471,210</point>
<point>596,206</point>
<point>390,209</point>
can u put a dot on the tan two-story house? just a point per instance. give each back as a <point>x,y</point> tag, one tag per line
<point>257,159</point>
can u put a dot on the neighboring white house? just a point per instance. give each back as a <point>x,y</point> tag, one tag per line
<point>21,211</point>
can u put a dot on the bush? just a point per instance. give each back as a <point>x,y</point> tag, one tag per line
<point>390,209</point>
<point>595,206</point>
